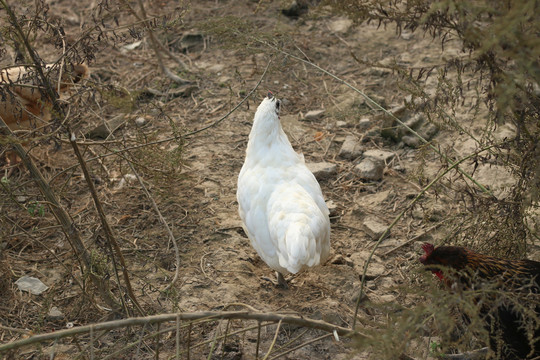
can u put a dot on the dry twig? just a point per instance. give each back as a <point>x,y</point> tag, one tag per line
<point>209,315</point>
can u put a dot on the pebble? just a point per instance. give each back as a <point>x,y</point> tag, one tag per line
<point>314,115</point>
<point>192,42</point>
<point>140,121</point>
<point>341,260</point>
<point>340,25</point>
<point>364,124</point>
<point>31,284</point>
<point>351,148</point>
<point>380,155</point>
<point>55,314</point>
<point>375,228</point>
<point>322,170</point>
<point>369,169</point>
<point>332,208</point>
<point>411,141</point>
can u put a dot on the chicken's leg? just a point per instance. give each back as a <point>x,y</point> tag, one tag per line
<point>281,281</point>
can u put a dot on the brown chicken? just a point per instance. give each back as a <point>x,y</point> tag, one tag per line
<point>23,105</point>
<point>508,338</point>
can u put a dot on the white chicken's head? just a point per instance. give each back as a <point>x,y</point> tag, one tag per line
<point>269,104</point>
<point>266,126</point>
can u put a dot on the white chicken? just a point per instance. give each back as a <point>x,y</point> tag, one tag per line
<point>280,201</point>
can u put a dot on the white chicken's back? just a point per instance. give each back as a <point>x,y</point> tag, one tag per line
<point>280,201</point>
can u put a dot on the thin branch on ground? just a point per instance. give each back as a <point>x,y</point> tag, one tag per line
<point>469,355</point>
<point>208,315</point>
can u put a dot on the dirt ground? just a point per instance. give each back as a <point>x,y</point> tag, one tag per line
<point>197,195</point>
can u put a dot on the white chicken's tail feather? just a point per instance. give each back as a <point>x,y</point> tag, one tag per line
<point>301,248</point>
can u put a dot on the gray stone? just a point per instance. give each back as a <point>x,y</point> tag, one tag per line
<point>322,170</point>
<point>389,129</point>
<point>192,42</point>
<point>140,121</point>
<point>411,141</point>
<point>332,207</point>
<point>351,148</point>
<point>413,122</point>
<point>429,131</point>
<point>370,169</point>
<point>374,228</point>
<point>314,115</point>
<point>505,132</point>
<point>496,178</point>
<point>55,314</point>
<point>375,268</point>
<point>387,298</point>
<point>407,35</point>
<point>380,155</point>
<point>342,124</point>
<point>398,110</point>
<point>364,124</point>
<point>340,25</point>
<point>341,260</point>
<point>31,284</point>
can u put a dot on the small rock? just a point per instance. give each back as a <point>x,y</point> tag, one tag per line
<point>333,318</point>
<point>429,131</point>
<point>380,155</point>
<point>374,228</point>
<point>342,124</point>
<point>374,270</point>
<point>341,260</point>
<point>103,131</point>
<point>340,25</point>
<point>140,121</point>
<point>398,110</point>
<point>296,9</point>
<point>131,46</point>
<point>413,122</point>
<point>411,141</point>
<point>387,298</point>
<point>369,169</point>
<point>364,124</point>
<point>192,42</point>
<point>322,170</point>
<point>407,35</point>
<point>497,178</point>
<point>313,115</point>
<point>31,284</point>
<point>356,295</point>
<point>55,314</point>
<point>505,132</point>
<point>351,148</point>
<point>332,208</point>
<point>389,129</point>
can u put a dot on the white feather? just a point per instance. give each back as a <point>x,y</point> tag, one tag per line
<point>280,201</point>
